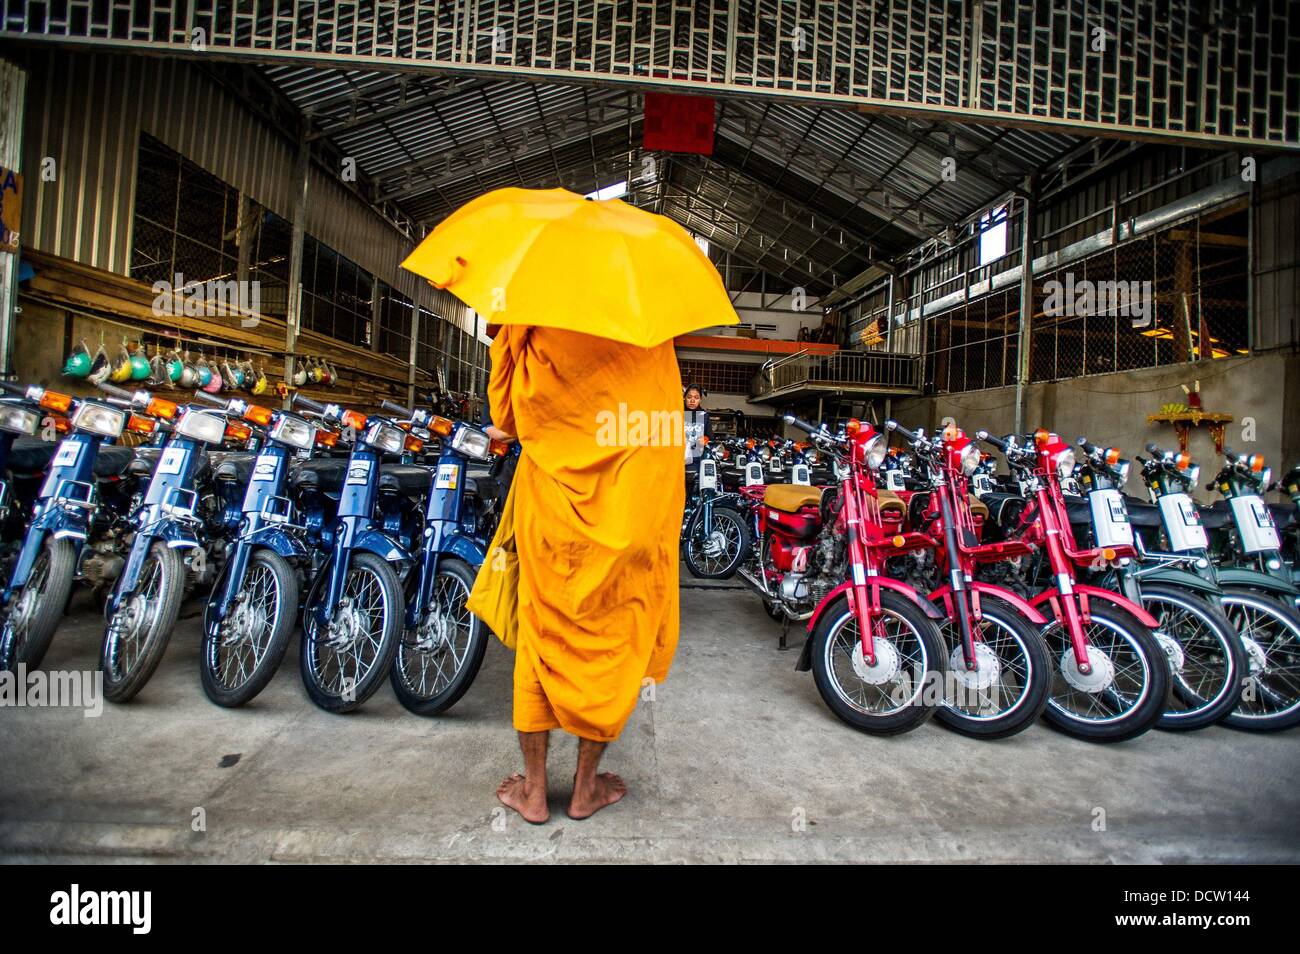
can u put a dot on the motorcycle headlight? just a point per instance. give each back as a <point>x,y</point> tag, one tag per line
<point>1192,474</point>
<point>206,426</point>
<point>293,431</point>
<point>970,459</point>
<point>386,438</point>
<point>1265,476</point>
<point>101,419</point>
<point>471,442</point>
<point>876,450</point>
<point>17,419</point>
<point>1121,473</point>
<point>1063,461</point>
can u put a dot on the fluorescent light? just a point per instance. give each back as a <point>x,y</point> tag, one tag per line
<point>615,191</point>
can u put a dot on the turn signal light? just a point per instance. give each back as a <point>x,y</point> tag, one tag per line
<point>61,425</point>
<point>326,438</point>
<point>1257,463</point>
<point>951,432</point>
<point>140,425</point>
<point>898,540</point>
<point>258,414</point>
<point>749,444</point>
<point>1183,461</point>
<point>441,426</point>
<point>704,439</point>
<point>413,445</point>
<point>499,448</point>
<point>1042,436</point>
<point>1112,456</point>
<point>54,401</point>
<point>853,426</point>
<point>354,419</point>
<point>1108,554</point>
<point>158,407</point>
<point>237,432</point>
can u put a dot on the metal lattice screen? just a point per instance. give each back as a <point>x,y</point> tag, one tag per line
<point>1218,70</point>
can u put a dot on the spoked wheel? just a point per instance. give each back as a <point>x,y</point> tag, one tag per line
<point>1207,663</point>
<point>34,614</point>
<point>889,697</point>
<point>1127,688</point>
<point>344,661</point>
<point>715,549</point>
<point>137,634</point>
<point>436,663</point>
<point>1270,630</point>
<point>1008,689</point>
<point>242,652</point>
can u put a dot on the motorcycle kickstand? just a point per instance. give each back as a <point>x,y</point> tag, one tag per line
<point>785,628</point>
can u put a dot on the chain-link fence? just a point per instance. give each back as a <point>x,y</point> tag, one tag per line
<point>1175,296</point>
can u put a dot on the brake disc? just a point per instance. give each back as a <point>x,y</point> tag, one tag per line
<point>888,663</point>
<point>1101,676</point>
<point>985,676</point>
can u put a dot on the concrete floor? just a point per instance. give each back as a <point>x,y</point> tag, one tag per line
<point>733,754</point>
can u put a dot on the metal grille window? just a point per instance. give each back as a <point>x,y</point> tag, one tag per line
<point>728,377</point>
<point>395,314</point>
<point>335,294</point>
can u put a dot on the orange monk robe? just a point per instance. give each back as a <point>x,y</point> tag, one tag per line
<point>597,500</point>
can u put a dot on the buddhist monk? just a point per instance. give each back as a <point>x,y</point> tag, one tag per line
<point>597,502</point>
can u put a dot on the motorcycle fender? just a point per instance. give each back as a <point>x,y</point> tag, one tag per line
<point>1240,576</point>
<point>62,524</point>
<point>1023,606</point>
<point>464,548</point>
<point>1182,579</point>
<point>888,583</point>
<point>1103,596</point>
<point>175,535</point>
<point>381,545</point>
<point>279,541</point>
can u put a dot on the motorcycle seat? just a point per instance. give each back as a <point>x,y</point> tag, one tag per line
<point>405,478</point>
<point>1004,508</point>
<point>30,457</point>
<point>888,500</point>
<point>324,474</point>
<point>1078,510</point>
<point>237,467</point>
<point>1283,516</point>
<point>113,461</point>
<point>789,498</point>
<point>977,507</point>
<point>1216,516</point>
<point>1141,513</point>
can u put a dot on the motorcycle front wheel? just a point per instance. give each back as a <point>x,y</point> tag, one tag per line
<point>243,652</point>
<point>35,611</point>
<point>344,662</point>
<point>1270,630</point>
<point>714,552</point>
<point>137,634</point>
<point>1127,689</point>
<point>436,663</point>
<point>1008,690</point>
<point>892,696</point>
<point>1207,662</point>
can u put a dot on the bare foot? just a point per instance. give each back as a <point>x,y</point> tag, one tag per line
<point>527,799</point>
<point>606,789</point>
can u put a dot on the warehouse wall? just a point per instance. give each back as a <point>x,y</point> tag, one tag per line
<point>1112,409</point>
<point>86,112</point>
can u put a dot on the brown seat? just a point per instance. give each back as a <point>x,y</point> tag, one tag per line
<point>788,498</point>
<point>977,506</point>
<point>888,500</point>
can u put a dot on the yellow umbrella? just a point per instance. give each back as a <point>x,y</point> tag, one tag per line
<point>550,258</point>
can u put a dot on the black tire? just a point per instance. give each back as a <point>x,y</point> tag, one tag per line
<point>334,690</point>
<point>35,612</point>
<point>836,636</point>
<point>1152,675</point>
<point>256,634</point>
<point>419,652</point>
<point>1024,675</point>
<point>1270,629</point>
<point>1207,664</point>
<point>734,539</point>
<point>131,652</point>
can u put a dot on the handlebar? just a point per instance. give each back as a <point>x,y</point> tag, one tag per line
<point>988,438</point>
<point>1154,450</point>
<point>892,425</point>
<point>13,387</point>
<point>308,403</point>
<point>1088,447</point>
<point>397,409</point>
<point>210,398</point>
<point>801,424</point>
<point>117,392</point>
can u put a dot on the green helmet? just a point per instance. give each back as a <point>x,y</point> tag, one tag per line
<point>174,368</point>
<point>77,365</point>
<point>139,366</point>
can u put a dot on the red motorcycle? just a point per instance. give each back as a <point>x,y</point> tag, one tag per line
<point>1000,673</point>
<point>873,643</point>
<point>1111,678</point>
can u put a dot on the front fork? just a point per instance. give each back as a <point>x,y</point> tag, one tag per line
<point>864,594</point>
<point>957,575</point>
<point>441,514</point>
<point>355,514</point>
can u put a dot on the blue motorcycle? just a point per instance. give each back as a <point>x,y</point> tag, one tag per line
<point>352,616</point>
<point>250,616</point>
<point>40,583</point>
<point>172,528</point>
<point>442,644</point>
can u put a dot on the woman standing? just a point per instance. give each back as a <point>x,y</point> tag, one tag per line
<point>698,426</point>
